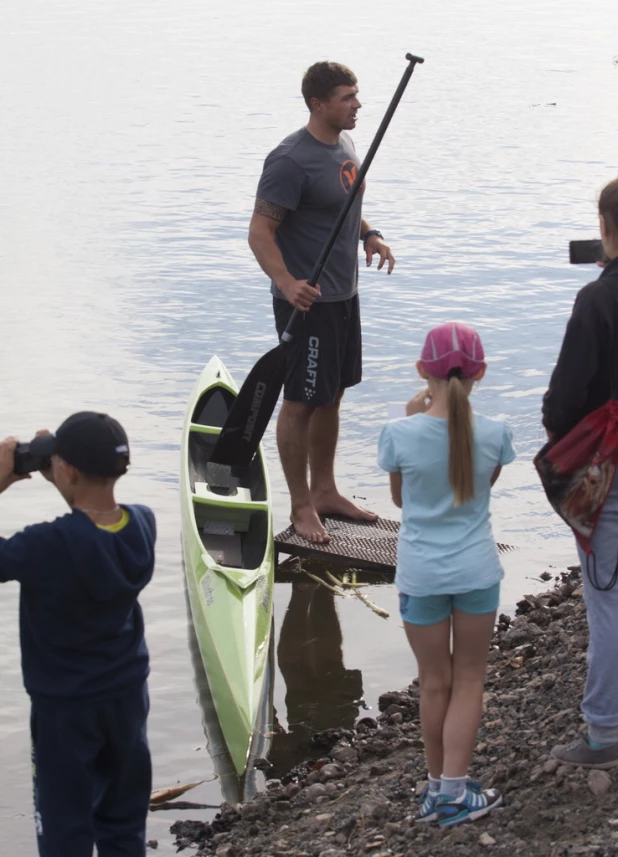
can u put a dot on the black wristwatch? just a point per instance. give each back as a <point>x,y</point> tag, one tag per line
<point>369,233</point>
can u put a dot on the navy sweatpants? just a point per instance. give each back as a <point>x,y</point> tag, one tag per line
<point>92,775</point>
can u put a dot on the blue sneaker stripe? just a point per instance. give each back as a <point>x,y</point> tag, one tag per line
<point>427,804</point>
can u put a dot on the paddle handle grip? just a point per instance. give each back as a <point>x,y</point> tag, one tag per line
<point>360,178</point>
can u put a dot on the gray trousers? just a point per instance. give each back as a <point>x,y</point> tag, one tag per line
<point>600,702</point>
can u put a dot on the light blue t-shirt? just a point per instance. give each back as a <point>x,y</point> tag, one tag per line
<point>443,549</point>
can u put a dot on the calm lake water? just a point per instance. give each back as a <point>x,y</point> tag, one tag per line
<point>133,138</point>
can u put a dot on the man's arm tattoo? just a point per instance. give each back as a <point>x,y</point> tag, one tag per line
<point>270,210</point>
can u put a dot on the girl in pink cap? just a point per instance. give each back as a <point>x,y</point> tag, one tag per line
<point>443,460</point>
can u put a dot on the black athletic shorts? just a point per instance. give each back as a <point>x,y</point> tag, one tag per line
<point>324,357</point>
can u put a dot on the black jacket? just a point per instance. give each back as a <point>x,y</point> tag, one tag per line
<point>581,380</point>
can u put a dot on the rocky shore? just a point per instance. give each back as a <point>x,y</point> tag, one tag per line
<point>358,798</point>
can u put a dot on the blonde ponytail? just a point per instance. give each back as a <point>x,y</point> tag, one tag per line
<point>460,454</point>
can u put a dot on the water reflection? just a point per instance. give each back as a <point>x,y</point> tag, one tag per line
<point>235,788</point>
<point>320,692</point>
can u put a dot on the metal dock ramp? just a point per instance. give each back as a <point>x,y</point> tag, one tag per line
<point>370,545</point>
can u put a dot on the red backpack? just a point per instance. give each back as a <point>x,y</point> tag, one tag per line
<point>578,470</point>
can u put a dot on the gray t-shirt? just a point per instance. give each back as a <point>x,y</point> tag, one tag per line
<point>312,180</point>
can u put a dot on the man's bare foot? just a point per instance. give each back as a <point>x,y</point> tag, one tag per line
<point>337,504</point>
<point>308,526</point>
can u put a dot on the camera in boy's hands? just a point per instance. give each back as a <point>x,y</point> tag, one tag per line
<point>30,456</point>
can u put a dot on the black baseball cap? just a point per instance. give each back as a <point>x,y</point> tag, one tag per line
<point>94,443</point>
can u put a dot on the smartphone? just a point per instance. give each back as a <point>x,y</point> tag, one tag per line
<point>586,252</point>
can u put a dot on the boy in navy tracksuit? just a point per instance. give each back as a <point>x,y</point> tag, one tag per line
<point>84,657</point>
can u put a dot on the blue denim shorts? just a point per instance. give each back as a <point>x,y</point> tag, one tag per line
<point>435,608</point>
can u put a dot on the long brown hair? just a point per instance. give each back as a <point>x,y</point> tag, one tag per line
<point>460,440</point>
<point>608,205</point>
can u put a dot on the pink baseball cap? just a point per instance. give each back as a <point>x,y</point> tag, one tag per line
<point>450,347</point>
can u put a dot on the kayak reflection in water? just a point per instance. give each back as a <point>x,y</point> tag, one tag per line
<point>321,692</point>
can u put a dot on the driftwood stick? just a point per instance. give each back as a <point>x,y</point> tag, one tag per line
<point>336,589</point>
<point>346,583</point>
<point>163,795</point>
<point>379,610</point>
<point>182,804</point>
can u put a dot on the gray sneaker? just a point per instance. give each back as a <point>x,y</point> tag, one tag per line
<point>580,753</point>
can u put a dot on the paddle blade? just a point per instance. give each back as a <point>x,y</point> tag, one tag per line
<point>252,409</point>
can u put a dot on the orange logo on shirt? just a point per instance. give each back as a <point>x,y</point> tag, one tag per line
<point>347,175</point>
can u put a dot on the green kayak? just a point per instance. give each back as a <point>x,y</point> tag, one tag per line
<point>228,549</point>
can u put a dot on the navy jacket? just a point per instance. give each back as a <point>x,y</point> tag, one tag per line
<point>81,627</point>
<point>581,380</point>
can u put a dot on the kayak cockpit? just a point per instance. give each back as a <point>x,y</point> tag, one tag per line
<point>230,504</point>
<point>213,406</point>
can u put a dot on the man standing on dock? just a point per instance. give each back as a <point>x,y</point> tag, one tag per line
<point>301,191</point>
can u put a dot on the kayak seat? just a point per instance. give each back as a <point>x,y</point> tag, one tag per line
<point>222,543</point>
<point>238,494</point>
<point>234,537</point>
<point>220,480</point>
<point>221,477</point>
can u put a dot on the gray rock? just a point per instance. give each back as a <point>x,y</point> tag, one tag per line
<point>551,766</point>
<point>377,810</point>
<point>291,790</point>
<point>456,836</point>
<point>366,724</point>
<point>564,609</point>
<point>486,840</point>
<point>251,811</point>
<point>599,782</point>
<point>345,754</point>
<point>331,772</point>
<point>315,791</point>
<point>419,786</point>
<point>541,617</point>
<point>520,633</point>
<point>548,680</point>
<point>322,821</point>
